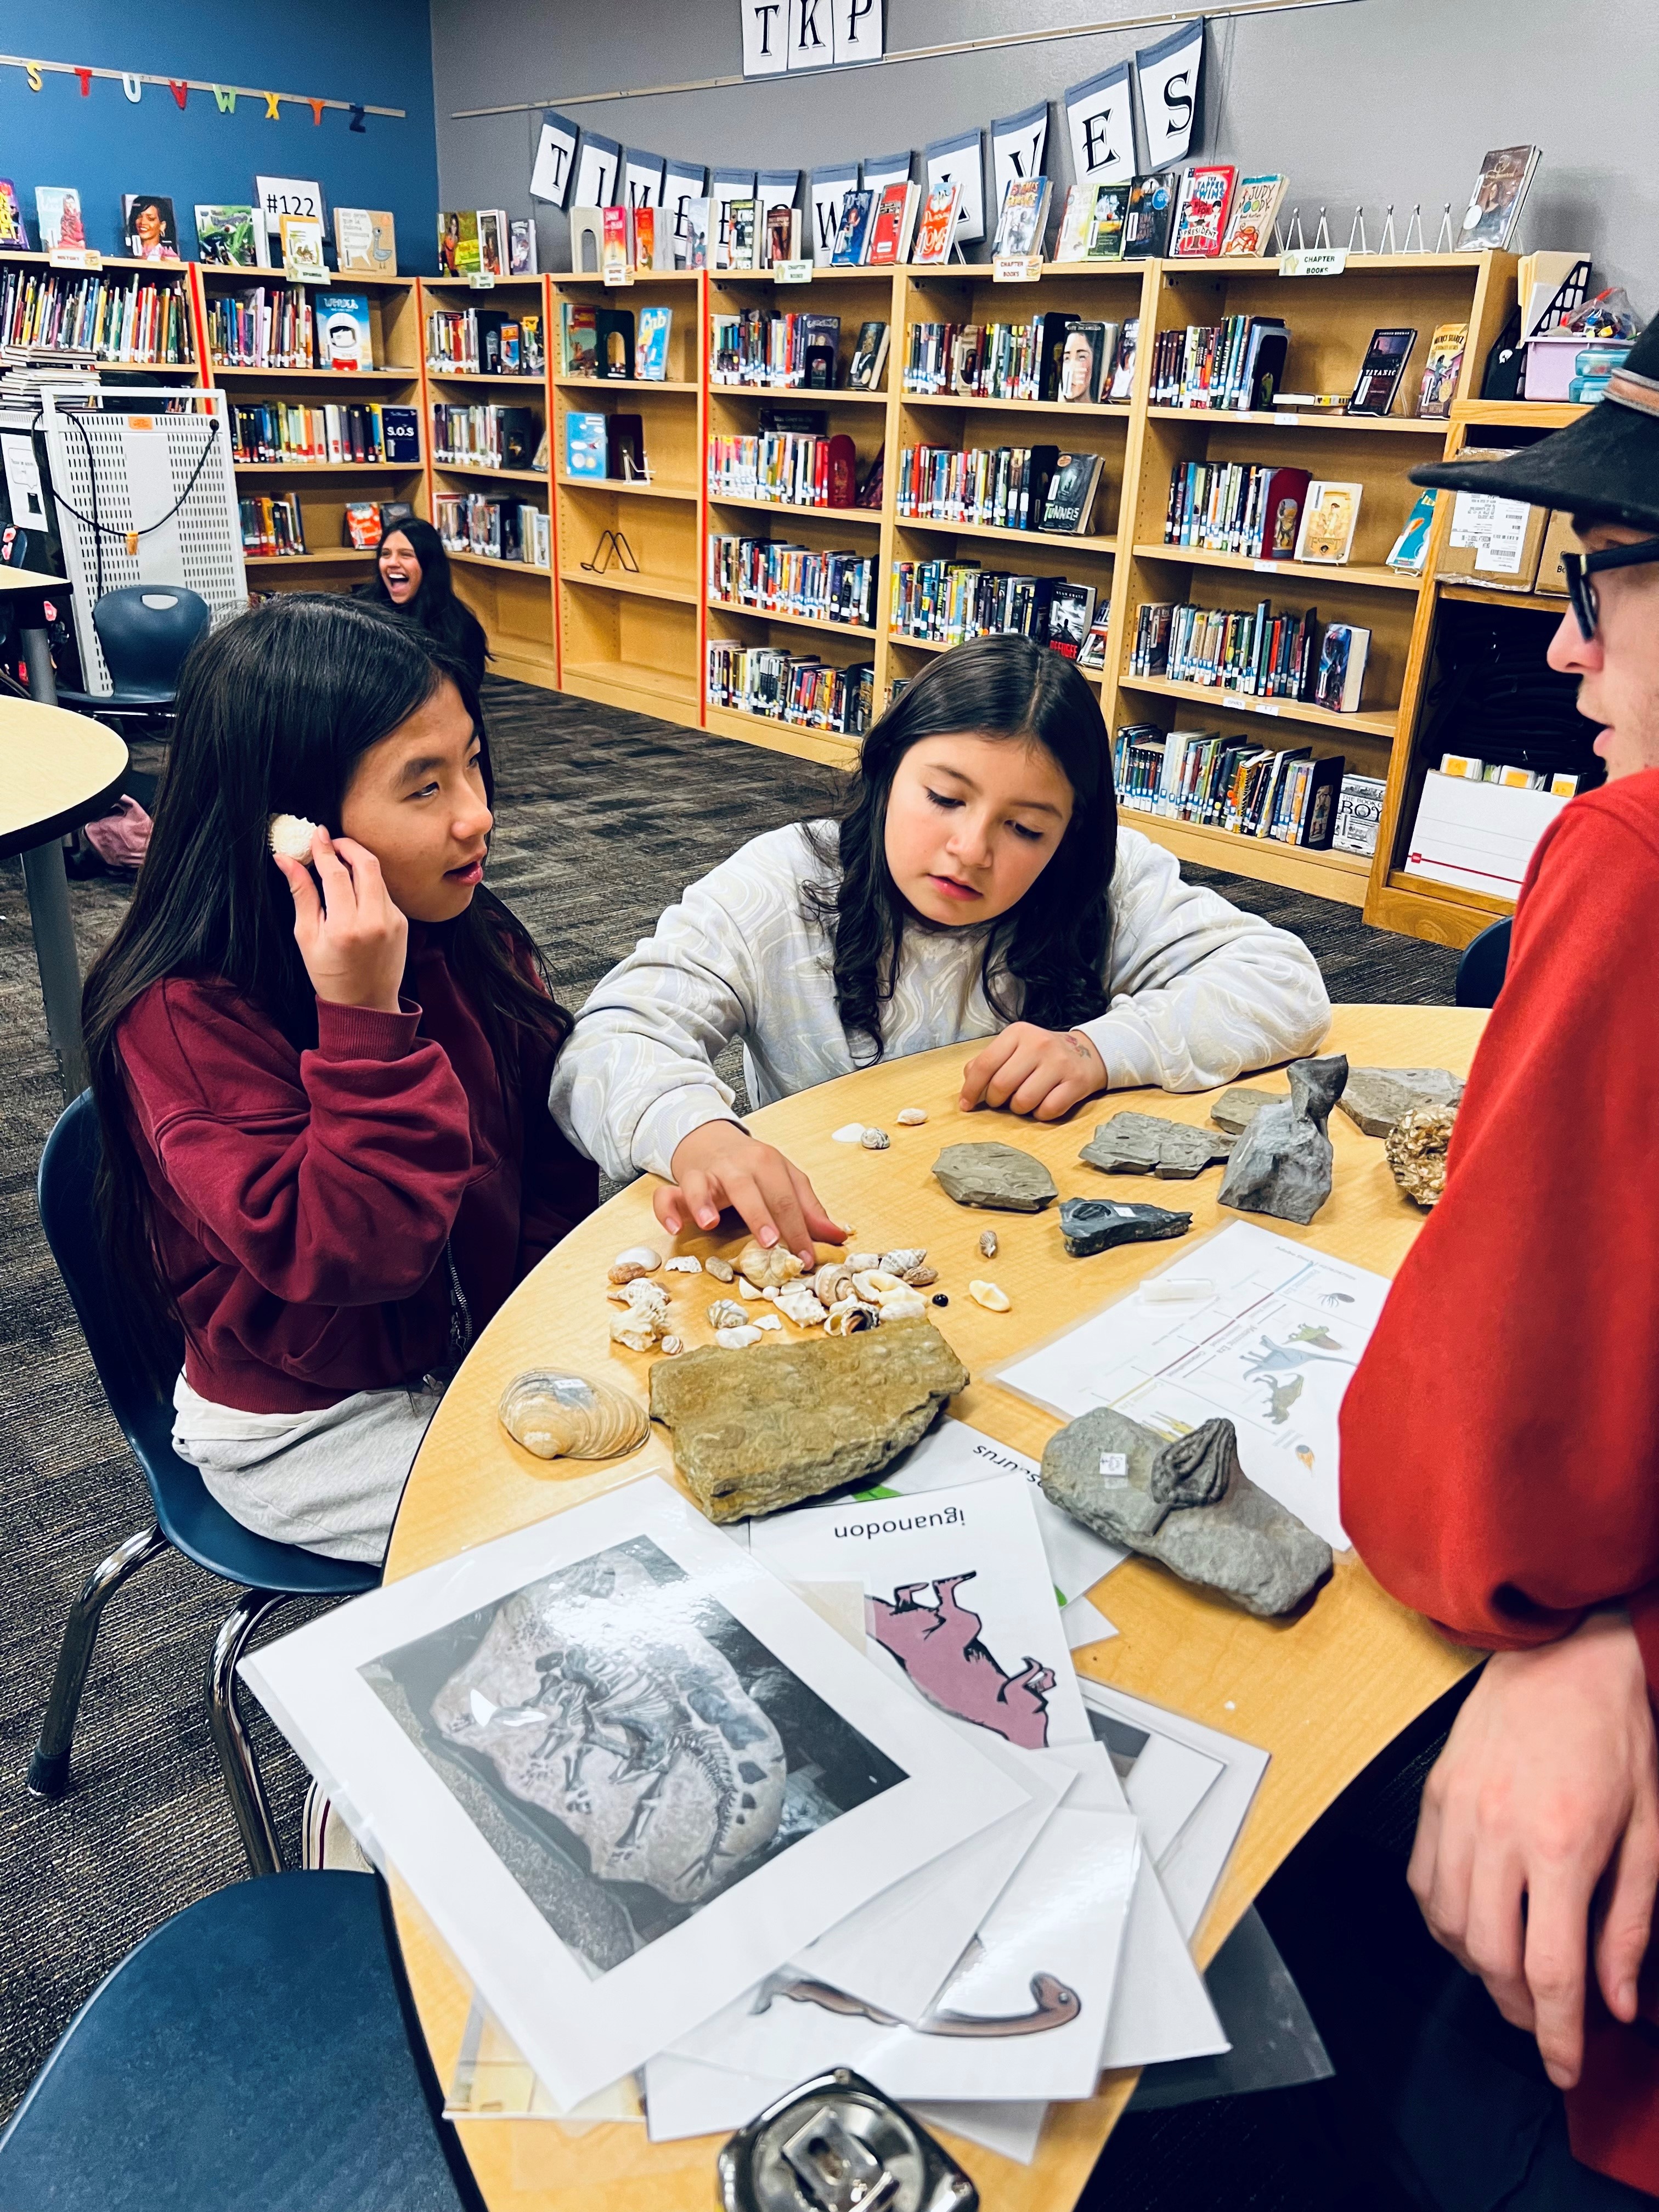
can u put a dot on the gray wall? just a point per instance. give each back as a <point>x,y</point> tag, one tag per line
<point>1379,101</point>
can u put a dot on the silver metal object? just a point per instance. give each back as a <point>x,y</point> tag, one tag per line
<point>836,2144</point>
<point>1416,224</point>
<point>1389,243</point>
<point>1357,231</point>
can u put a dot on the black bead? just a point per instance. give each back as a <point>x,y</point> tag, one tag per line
<point>940,1298</point>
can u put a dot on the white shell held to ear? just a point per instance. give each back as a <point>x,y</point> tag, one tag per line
<point>568,1416</point>
<point>291,836</point>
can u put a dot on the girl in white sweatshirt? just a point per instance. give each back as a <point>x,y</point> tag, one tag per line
<point>976,888</point>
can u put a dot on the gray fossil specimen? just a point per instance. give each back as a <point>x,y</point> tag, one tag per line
<point>1282,1163</point>
<point>1235,1109</point>
<point>995,1175</point>
<point>1146,1144</point>
<point>1095,1224</point>
<point>1376,1098</point>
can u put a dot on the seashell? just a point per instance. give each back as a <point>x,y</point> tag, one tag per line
<point>559,1415</point>
<point>291,836</point>
<point>850,1133</point>
<point>988,1243</point>
<point>903,1305</point>
<point>848,1316</point>
<point>900,1263</point>
<point>759,1266</point>
<point>673,1345</point>
<point>638,1331</point>
<point>771,1292</point>
<point>911,1117</point>
<point>875,1140</point>
<point>832,1282</point>
<point>687,1263</point>
<point>987,1294</point>
<point>801,1306</point>
<point>860,1263</point>
<point>746,1289</point>
<point>721,1270</point>
<point>765,1320</point>
<point>637,1259</point>
<point>734,1339</point>
<point>874,1283</point>
<point>728,1313</point>
<point>920,1277</point>
<point>649,1299</point>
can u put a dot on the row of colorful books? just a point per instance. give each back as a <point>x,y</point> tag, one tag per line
<point>1056,355</point>
<point>601,342</point>
<point>287,431</point>
<point>946,602</point>
<point>1003,487</point>
<point>494,529</point>
<point>284,327</point>
<point>133,318</point>
<point>1230,366</point>
<point>789,687</point>
<point>793,352</point>
<point>466,341</point>
<point>272,526</point>
<point>1229,782</point>
<point>1253,651</point>
<point>486,437</point>
<point>769,577</point>
<point>1251,509</point>
<point>485,242</point>
<point>794,469</point>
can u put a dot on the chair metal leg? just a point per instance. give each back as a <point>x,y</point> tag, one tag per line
<point>237,1765</point>
<point>49,1767</point>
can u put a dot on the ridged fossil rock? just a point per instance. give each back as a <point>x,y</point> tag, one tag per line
<point>1146,1144</point>
<point>1376,1098</point>
<point>996,1175</point>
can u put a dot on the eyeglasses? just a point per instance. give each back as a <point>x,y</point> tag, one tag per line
<point>1579,568</point>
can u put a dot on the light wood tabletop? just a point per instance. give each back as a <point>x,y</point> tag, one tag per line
<point>1324,1692</point>
<point>55,769</point>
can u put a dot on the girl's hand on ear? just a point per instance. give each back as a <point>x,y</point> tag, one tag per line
<point>351,936</point>
<point>720,1165</point>
<point>1041,1073</point>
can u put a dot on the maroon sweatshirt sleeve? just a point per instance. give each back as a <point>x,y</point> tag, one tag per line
<point>337,1188</point>
<point>1500,1439</point>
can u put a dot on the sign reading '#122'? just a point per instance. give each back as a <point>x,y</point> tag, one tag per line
<point>810,34</point>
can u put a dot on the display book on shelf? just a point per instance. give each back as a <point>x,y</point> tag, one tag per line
<point>484,445</point>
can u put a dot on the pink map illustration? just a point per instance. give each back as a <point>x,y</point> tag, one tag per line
<point>940,1649</point>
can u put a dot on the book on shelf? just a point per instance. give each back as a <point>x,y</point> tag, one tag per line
<point>286,432</point>
<point>586,443</point>
<point>1251,651</point>
<point>820,351</point>
<point>1087,360</point>
<point>57,218</point>
<point>400,433</point>
<point>936,232</point>
<point>624,448</point>
<point>272,527</point>
<point>1256,202</point>
<point>1092,654</point>
<point>893,225</point>
<point>1104,241</point>
<point>870,492</point>
<point>344,330</point>
<point>651,353</point>
<point>578,339</point>
<point>642,237</point>
<point>224,238</point>
<point>522,255</point>
<point>149,229</point>
<point>1410,551</point>
<point>1002,487</point>
<point>869,358</point>
<point>1147,218</point>
<point>781,237</point>
<point>1128,348</point>
<point>692,243</point>
<point>1201,217</point>
<point>1439,386</point>
<point>1022,219</point>
<point>360,525</point>
<point>1232,367</point>
<point>1497,196</point>
<point>613,244</point>
<point>854,233</point>
<point>1343,653</point>
<point>945,602</point>
<point>1358,814</point>
<point>365,240</point>
<point>743,220</point>
<point>1076,220</point>
<point>1330,515</point>
<point>484,436</point>
<point>1068,504</point>
<point>1380,371</point>
<point>492,241</point>
<point>772,576</point>
<point>613,329</point>
<point>1071,611</point>
<point>788,687</point>
<point>1249,508</point>
<point>458,243</point>
<point>1049,334</point>
<point>14,235</point>
<point>301,237</point>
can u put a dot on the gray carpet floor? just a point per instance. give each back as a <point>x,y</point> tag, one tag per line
<point>602,818</point>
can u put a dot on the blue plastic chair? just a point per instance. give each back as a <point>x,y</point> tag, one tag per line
<point>1486,961</point>
<point>144,631</point>
<point>259,2051</point>
<point>186,1517</point>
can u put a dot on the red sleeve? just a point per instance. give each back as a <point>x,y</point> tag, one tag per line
<point>333,1179</point>
<point>1500,1439</point>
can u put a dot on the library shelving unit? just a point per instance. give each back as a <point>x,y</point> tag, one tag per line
<point>25,277</point>
<point>633,637</point>
<point>514,599</point>
<point>322,488</point>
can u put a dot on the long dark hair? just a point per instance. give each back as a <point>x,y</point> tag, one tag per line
<point>275,711</point>
<point>434,607</point>
<point>1053,943</point>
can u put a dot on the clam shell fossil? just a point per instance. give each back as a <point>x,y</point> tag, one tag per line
<point>875,1283</point>
<point>734,1339</point>
<point>728,1313</point>
<point>911,1117</point>
<point>988,1243</point>
<point>561,1415</point>
<point>721,1270</point>
<point>761,1268</point>
<point>637,1259</point>
<point>875,1140</point>
<point>988,1294</point>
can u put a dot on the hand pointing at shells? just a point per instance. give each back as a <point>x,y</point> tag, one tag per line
<point>721,1165</point>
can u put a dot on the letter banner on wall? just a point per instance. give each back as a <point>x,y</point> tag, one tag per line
<point>1169,74</point>
<point>643,175</point>
<point>683,182</point>
<point>961,161</point>
<point>811,34</point>
<point>1018,145</point>
<point>727,186</point>
<point>597,166</point>
<point>827,189</point>
<point>556,159</point>
<point>765,38</point>
<point>1100,118</point>
<point>886,169</point>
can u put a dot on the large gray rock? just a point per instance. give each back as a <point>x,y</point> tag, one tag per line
<point>1095,1224</point>
<point>759,1429</point>
<point>1146,1144</point>
<point>1235,1109</point>
<point>1376,1098</point>
<point>1188,1505</point>
<point>1282,1163</point>
<point>996,1175</point>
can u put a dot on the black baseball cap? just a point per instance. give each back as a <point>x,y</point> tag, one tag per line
<point>1605,466</point>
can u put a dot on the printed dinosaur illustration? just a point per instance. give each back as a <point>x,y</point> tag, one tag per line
<point>1316,1332</point>
<point>940,1649</point>
<point>1053,2005</point>
<point>1281,1396</point>
<point>1276,1365</point>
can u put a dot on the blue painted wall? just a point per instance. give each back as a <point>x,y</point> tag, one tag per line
<point>378,51</point>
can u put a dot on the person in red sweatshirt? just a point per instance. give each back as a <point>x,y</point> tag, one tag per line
<point>1500,1439</point>
<point>322,1082</point>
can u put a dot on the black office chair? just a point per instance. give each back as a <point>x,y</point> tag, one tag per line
<point>259,2051</point>
<point>1480,971</point>
<point>187,1516</point>
<point>145,631</point>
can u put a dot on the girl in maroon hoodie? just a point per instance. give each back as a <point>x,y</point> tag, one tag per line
<point>323,1087</point>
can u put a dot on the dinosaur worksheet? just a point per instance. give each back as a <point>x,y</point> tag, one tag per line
<point>1267,1333</point>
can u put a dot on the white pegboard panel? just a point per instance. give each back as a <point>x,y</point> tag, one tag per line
<point>143,447</point>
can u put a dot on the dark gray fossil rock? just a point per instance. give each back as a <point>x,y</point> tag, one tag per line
<point>1146,1144</point>
<point>1095,1224</point>
<point>1281,1165</point>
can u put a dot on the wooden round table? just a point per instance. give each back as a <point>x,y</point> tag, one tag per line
<point>1324,1692</point>
<point>57,770</point>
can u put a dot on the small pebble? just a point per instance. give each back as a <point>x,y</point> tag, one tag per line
<point>850,1133</point>
<point>911,1117</point>
<point>940,1298</point>
<point>721,1270</point>
<point>874,1141</point>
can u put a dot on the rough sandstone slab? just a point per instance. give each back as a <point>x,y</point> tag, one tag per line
<point>1235,1109</point>
<point>1187,1503</point>
<point>997,1176</point>
<point>1376,1098</point>
<point>760,1429</point>
<point>1146,1144</point>
<point>1282,1163</point>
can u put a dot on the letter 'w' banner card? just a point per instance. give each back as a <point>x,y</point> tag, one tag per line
<point>1100,118</point>
<point>1169,74</point>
